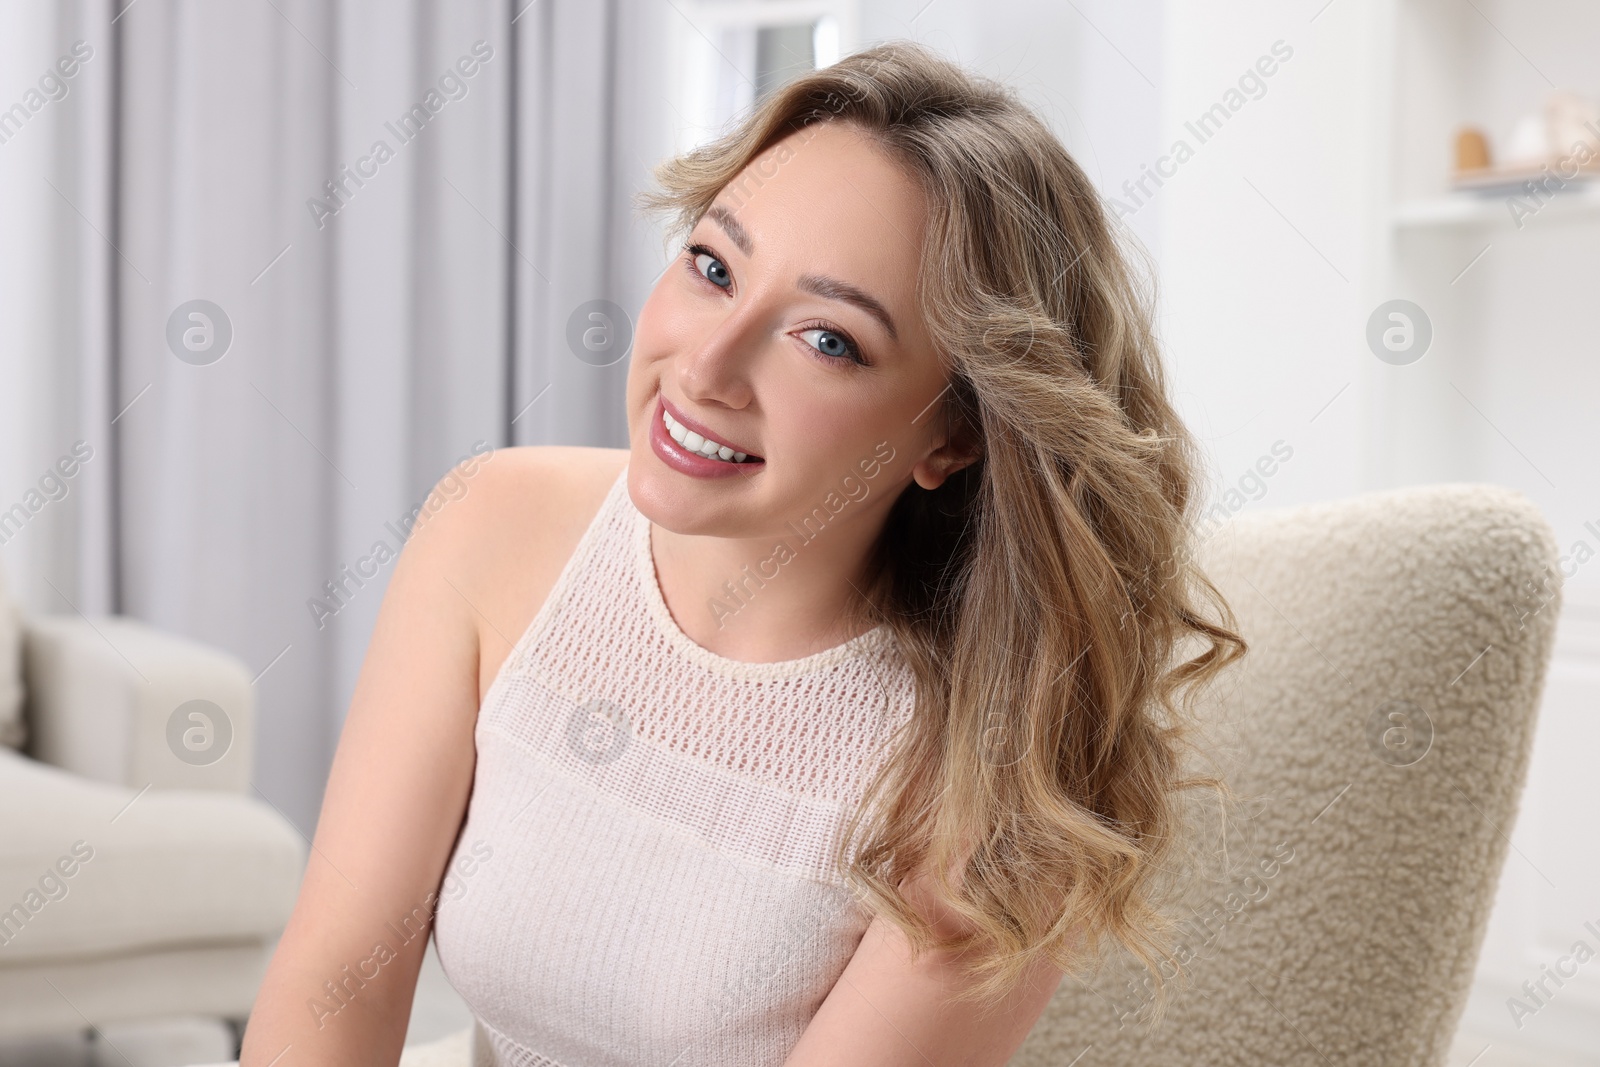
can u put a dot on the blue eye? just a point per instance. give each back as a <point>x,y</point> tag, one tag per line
<point>831,344</point>
<point>713,269</point>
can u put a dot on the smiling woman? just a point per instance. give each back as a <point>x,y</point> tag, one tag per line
<point>971,305</point>
<point>874,818</point>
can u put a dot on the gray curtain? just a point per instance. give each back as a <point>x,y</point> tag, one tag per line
<point>56,303</point>
<point>322,251</point>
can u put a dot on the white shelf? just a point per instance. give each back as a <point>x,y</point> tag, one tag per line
<point>1573,204</point>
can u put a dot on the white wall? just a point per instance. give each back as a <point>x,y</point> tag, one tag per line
<point>1267,237</point>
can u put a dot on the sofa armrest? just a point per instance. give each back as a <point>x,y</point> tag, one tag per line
<point>104,697</point>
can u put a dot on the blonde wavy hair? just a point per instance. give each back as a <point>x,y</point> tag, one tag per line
<point>1041,594</point>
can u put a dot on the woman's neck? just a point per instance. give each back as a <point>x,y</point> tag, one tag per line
<point>764,600</point>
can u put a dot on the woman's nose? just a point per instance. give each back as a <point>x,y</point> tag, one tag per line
<point>720,361</point>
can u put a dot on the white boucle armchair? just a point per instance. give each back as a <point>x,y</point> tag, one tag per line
<point>140,875</point>
<point>1379,729</point>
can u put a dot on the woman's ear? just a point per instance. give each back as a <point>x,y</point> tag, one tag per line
<point>962,448</point>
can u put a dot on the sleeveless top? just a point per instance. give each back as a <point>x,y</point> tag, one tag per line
<point>643,876</point>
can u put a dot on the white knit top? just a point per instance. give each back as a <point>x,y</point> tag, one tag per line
<point>643,878</point>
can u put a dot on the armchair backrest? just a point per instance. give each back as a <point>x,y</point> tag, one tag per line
<point>1382,721</point>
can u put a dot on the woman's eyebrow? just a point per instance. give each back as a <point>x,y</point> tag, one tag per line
<point>827,288</point>
<point>833,289</point>
<point>731,226</point>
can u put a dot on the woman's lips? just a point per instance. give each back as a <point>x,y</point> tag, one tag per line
<point>704,431</point>
<point>694,464</point>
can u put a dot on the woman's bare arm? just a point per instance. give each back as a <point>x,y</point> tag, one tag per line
<point>890,1009</point>
<point>395,799</point>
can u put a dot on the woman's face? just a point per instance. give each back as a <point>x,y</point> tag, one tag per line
<point>789,330</point>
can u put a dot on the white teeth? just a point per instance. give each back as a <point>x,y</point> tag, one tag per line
<point>702,445</point>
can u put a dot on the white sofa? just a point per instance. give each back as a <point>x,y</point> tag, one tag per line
<point>134,884</point>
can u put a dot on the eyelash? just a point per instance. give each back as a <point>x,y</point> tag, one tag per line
<point>853,356</point>
<point>693,251</point>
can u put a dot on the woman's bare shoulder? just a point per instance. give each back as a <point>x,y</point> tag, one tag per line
<point>537,499</point>
<point>532,505</point>
<point>549,478</point>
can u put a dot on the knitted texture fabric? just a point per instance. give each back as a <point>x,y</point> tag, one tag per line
<point>645,873</point>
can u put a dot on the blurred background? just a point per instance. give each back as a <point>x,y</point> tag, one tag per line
<point>269,268</point>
